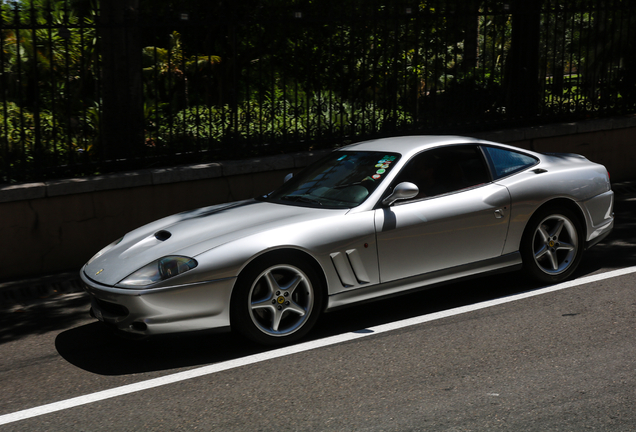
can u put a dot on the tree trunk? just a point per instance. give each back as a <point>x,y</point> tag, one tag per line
<point>121,131</point>
<point>522,65</point>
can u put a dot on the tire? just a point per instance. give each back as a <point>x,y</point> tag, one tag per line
<point>276,300</point>
<point>552,245</point>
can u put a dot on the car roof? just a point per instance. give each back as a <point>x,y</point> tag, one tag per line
<point>407,145</point>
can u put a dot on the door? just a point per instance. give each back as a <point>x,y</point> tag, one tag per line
<point>458,218</point>
<point>442,232</point>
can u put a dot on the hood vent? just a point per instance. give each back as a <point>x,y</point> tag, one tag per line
<point>162,235</point>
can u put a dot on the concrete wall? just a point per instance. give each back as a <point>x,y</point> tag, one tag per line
<point>58,225</point>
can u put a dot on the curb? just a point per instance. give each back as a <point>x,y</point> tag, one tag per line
<point>28,291</point>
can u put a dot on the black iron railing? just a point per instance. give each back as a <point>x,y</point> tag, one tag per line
<point>90,87</point>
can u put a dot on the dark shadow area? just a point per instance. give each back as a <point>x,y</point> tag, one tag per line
<point>95,348</point>
<point>42,316</point>
<point>428,301</point>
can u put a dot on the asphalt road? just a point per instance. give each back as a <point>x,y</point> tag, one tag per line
<point>558,361</point>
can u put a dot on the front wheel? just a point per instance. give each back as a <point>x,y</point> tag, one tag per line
<point>276,301</point>
<point>552,245</point>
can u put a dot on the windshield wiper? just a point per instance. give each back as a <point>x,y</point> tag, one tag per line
<point>346,185</point>
<point>301,198</point>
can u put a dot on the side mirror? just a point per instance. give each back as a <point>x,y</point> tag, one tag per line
<point>287,177</point>
<point>402,191</point>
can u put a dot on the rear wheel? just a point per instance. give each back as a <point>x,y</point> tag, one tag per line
<point>276,301</point>
<point>552,245</point>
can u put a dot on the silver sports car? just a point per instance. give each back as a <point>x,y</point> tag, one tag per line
<point>369,220</point>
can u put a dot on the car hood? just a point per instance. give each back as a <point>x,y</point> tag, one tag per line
<point>192,233</point>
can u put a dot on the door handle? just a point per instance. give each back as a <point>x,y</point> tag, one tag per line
<point>499,213</point>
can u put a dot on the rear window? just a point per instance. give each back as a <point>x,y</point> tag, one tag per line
<point>506,162</point>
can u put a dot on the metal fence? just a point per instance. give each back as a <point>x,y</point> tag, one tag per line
<point>88,87</point>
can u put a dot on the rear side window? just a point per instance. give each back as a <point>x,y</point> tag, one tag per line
<point>505,162</point>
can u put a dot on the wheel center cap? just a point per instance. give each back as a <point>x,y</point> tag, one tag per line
<point>280,300</point>
<point>551,243</point>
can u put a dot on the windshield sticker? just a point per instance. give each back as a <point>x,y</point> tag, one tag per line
<point>376,176</point>
<point>380,171</point>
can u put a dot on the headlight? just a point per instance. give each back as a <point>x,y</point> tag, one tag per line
<point>103,251</point>
<point>159,270</point>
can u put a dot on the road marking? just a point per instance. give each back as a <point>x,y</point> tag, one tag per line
<point>282,352</point>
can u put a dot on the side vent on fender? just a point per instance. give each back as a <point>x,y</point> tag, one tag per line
<point>350,268</point>
<point>358,266</point>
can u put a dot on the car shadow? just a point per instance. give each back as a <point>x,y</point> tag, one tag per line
<point>94,348</point>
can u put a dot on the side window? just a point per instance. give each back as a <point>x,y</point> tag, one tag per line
<point>505,162</point>
<point>446,169</point>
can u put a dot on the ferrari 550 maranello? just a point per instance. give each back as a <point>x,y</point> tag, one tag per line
<point>369,220</point>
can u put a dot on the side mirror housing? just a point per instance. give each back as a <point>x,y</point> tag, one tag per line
<point>402,191</point>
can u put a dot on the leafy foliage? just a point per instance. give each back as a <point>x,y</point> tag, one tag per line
<point>48,106</point>
<point>274,119</point>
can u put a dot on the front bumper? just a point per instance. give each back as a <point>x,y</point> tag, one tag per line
<point>192,307</point>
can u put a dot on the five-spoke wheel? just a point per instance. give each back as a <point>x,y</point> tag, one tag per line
<point>552,245</point>
<point>276,300</point>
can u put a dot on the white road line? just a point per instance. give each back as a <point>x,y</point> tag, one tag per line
<point>256,358</point>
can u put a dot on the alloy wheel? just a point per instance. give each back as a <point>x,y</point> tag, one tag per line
<point>555,244</point>
<point>281,300</point>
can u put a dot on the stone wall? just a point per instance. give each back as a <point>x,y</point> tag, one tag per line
<point>56,226</point>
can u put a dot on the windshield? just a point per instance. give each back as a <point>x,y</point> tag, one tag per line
<point>343,179</point>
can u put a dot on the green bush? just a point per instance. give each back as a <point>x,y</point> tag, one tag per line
<point>59,141</point>
<point>274,119</point>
